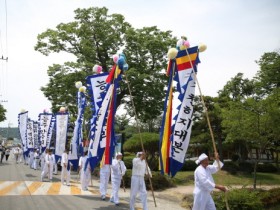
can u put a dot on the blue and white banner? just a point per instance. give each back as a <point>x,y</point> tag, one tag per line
<point>98,142</point>
<point>22,125</point>
<point>35,134</point>
<point>182,127</point>
<point>44,127</point>
<point>61,132</point>
<point>100,131</point>
<point>179,135</point>
<point>78,133</point>
<point>51,134</point>
<point>96,85</point>
<point>30,134</point>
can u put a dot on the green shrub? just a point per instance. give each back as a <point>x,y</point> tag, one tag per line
<point>245,199</point>
<point>128,161</point>
<point>266,168</point>
<point>189,165</point>
<point>230,167</point>
<point>127,179</point>
<point>246,167</point>
<point>270,197</point>
<point>159,181</point>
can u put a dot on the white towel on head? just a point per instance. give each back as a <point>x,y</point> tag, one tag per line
<point>202,157</point>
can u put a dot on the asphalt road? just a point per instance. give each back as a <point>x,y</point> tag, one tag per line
<point>21,189</point>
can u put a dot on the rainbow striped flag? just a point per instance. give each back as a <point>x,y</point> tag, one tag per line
<point>174,138</point>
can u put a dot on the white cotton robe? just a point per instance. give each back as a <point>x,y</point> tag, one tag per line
<point>104,179</point>
<point>36,159</point>
<point>65,174</point>
<point>85,173</point>
<point>204,185</point>
<point>48,167</point>
<point>118,169</point>
<point>138,183</point>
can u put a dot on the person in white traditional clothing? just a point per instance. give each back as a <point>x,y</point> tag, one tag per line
<point>42,158</point>
<point>55,162</point>
<point>20,154</point>
<point>48,167</point>
<point>65,168</point>
<point>16,154</point>
<point>204,183</point>
<point>36,159</point>
<point>31,158</point>
<point>139,169</point>
<point>118,169</point>
<point>85,171</point>
<point>104,180</point>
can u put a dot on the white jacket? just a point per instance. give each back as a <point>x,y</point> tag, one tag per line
<point>118,168</point>
<point>64,159</point>
<point>139,168</point>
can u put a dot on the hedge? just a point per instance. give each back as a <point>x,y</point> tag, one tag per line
<point>248,199</point>
<point>244,199</point>
<point>159,182</point>
<point>189,165</point>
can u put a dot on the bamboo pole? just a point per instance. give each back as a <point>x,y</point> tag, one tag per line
<point>209,125</point>
<point>139,130</point>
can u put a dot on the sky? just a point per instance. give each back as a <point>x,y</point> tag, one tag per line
<point>237,33</point>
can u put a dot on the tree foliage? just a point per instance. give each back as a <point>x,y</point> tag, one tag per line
<point>93,38</point>
<point>2,113</point>
<point>150,141</point>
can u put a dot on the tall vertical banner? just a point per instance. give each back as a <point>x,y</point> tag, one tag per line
<point>174,139</point>
<point>103,141</point>
<point>44,128</point>
<point>78,133</point>
<point>61,132</point>
<point>30,134</point>
<point>35,134</point>
<point>96,86</point>
<point>22,125</point>
<point>51,134</point>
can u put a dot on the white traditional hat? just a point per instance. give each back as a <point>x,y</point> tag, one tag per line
<point>139,153</point>
<point>202,157</point>
<point>118,153</point>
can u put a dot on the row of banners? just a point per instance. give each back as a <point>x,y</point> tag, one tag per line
<point>102,88</point>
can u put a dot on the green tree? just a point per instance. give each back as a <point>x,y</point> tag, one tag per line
<point>237,88</point>
<point>150,142</point>
<point>93,38</point>
<point>269,73</point>
<point>268,87</point>
<point>2,113</point>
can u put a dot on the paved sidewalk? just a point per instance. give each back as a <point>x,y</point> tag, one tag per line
<point>166,200</point>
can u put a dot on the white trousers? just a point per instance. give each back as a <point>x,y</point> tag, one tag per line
<point>65,175</point>
<point>35,163</point>
<point>116,183</point>
<point>42,163</point>
<point>47,170</point>
<point>85,179</point>
<point>31,162</point>
<point>104,179</point>
<point>138,185</point>
<point>55,168</point>
<point>203,201</point>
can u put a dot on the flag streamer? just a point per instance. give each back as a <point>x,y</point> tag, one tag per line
<point>22,124</point>
<point>61,133</point>
<point>44,120</point>
<point>102,143</point>
<point>174,139</point>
